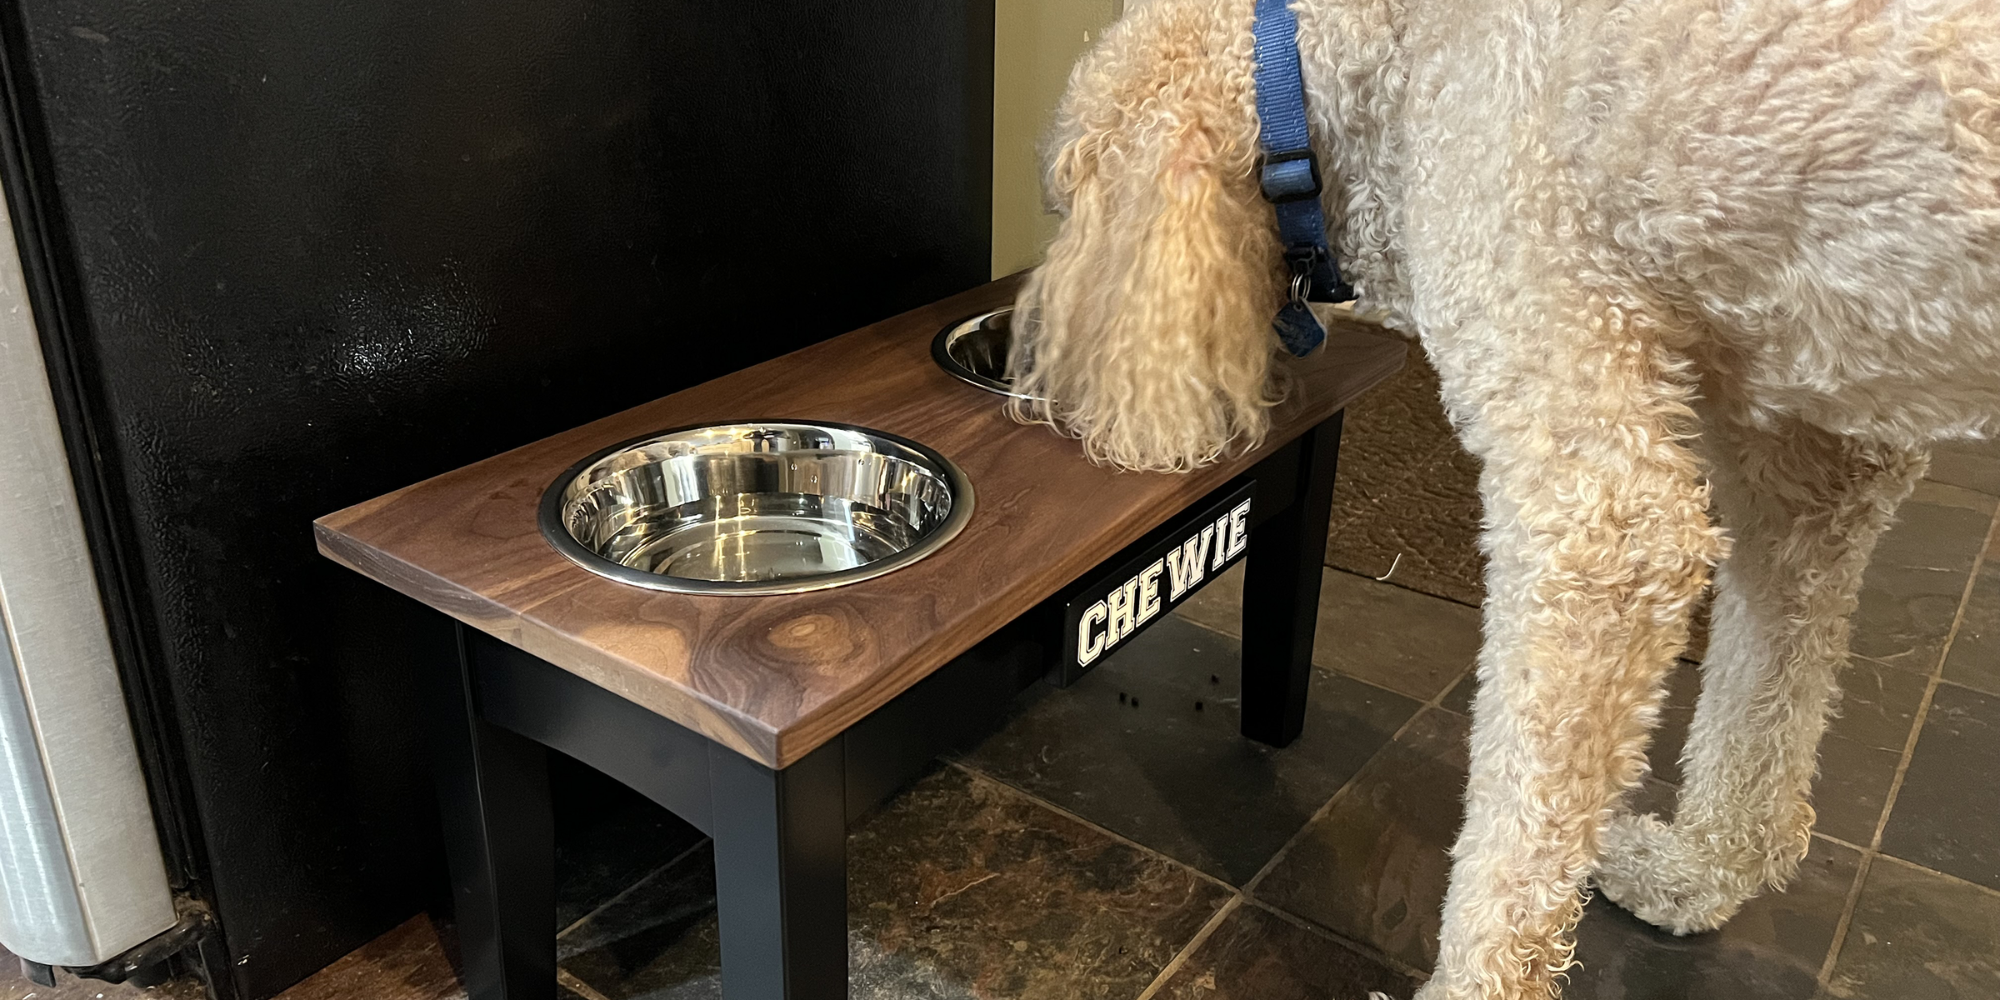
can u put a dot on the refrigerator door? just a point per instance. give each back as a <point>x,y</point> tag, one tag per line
<point>81,877</point>
<point>289,256</point>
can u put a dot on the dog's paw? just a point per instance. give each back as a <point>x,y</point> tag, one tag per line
<point>1653,874</point>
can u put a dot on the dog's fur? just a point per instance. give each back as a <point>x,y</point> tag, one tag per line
<point>1654,249</point>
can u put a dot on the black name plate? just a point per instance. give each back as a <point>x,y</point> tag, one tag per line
<point>1111,609</point>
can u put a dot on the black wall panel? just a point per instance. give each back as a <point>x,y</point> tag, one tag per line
<point>293,255</point>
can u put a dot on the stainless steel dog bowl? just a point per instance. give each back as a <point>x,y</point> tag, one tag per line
<point>975,350</point>
<point>756,508</point>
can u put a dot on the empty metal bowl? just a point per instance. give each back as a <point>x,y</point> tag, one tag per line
<point>975,350</point>
<point>756,508</point>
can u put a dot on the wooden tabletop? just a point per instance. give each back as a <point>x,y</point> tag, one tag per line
<point>774,677</point>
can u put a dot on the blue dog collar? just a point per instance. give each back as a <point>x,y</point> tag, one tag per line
<point>1290,179</point>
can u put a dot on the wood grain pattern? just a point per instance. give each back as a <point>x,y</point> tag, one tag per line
<point>774,677</point>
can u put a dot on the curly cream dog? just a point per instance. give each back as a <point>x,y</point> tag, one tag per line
<point>1662,254</point>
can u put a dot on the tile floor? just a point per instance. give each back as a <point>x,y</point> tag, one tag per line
<point>1119,841</point>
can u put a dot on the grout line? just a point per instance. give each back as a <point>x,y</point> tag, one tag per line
<point>1239,901</point>
<point>1905,862</point>
<point>1947,876</point>
<point>1868,861</point>
<point>1363,681</point>
<point>1962,686</point>
<point>1240,896</point>
<point>1236,896</point>
<point>630,889</point>
<point>1874,848</point>
<point>978,775</point>
<point>1187,950</point>
<point>1837,842</point>
<point>1930,689</point>
<point>1325,809</point>
<point>1435,702</point>
<point>1399,585</point>
<point>1362,948</point>
<point>1340,794</point>
<point>1846,921</point>
<point>1236,636</point>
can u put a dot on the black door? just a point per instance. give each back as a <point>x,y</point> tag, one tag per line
<point>288,256</point>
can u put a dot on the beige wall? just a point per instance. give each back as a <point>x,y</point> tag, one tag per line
<point>1034,44</point>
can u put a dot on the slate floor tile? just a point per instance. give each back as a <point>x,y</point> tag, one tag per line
<point>1911,592</point>
<point>659,907</point>
<point>1260,955</point>
<point>1771,950</point>
<point>1663,755</point>
<point>1947,816</point>
<point>1974,465</point>
<point>1128,748</point>
<point>1878,704</point>
<point>1699,621</point>
<point>962,889</point>
<point>1411,643</point>
<point>1373,868</point>
<point>1852,787</point>
<point>1918,935</point>
<point>1878,707</point>
<point>1218,607</point>
<point>1019,900</point>
<point>1858,756</point>
<point>1974,659</point>
<point>607,837</point>
<point>1459,699</point>
<point>1654,797</point>
<point>1879,700</point>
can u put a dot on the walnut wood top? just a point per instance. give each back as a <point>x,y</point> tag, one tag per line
<point>774,677</point>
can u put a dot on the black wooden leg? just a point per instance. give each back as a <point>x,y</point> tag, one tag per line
<point>1281,595</point>
<point>499,829</point>
<point>781,875</point>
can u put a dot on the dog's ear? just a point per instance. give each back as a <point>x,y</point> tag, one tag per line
<point>1147,333</point>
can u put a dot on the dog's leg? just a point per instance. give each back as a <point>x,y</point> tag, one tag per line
<point>1598,543</point>
<point>1805,508</point>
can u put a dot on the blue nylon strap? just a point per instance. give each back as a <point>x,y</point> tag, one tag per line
<point>1290,178</point>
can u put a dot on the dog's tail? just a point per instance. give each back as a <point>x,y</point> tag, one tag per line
<point>1147,333</point>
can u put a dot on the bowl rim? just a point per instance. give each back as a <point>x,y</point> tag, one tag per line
<point>941,353</point>
<point>549,516</point>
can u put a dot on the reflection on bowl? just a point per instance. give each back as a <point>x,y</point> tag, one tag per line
<point>975,350</point>
<point>756,508</point>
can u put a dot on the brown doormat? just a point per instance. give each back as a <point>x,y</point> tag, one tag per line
<point>1406,500</point>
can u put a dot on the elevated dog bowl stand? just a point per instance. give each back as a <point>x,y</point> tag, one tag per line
<point>771,722</point>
